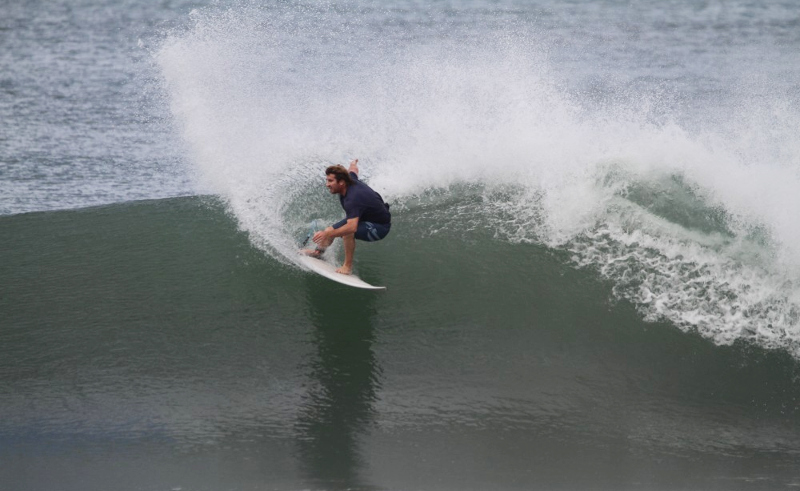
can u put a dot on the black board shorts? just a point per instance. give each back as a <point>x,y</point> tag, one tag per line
<point>368,231</point>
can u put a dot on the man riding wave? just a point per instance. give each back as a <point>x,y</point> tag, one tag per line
<point>367,217</point>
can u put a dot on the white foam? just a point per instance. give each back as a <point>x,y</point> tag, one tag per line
<point>266,97</point>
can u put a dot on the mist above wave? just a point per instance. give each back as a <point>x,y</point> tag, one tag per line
<point>685,204</point>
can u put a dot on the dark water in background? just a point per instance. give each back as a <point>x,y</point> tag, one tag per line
<point>82,121</point>
<point>592,272</point>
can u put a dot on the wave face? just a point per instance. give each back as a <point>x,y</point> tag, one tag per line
<point>151,340</point>
<point>660,154</point>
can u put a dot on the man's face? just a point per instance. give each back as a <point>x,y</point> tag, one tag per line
<point>334,186</point>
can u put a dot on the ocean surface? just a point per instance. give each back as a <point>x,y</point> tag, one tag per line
<point>593,271</point>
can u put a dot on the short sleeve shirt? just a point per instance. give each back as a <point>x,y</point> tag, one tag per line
<point>364,203</point>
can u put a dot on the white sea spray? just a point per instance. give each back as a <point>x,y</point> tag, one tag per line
<point>687,206</point>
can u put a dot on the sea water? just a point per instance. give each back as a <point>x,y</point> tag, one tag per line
<point>593,266</point>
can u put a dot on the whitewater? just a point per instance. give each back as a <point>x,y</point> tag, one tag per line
<point>668,164</point>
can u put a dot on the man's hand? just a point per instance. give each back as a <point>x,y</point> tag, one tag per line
<point>354,166</point>
<point>321,237</point>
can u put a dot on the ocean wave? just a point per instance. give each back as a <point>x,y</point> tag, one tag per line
<point>686,211</point>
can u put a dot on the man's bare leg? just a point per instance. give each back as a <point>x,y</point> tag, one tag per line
<point>349,249</point>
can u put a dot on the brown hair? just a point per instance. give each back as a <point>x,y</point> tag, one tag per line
<point>339,173</point>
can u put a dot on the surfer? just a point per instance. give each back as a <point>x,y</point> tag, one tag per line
<point>366,218</point>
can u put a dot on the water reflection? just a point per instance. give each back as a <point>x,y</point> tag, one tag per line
<point>343,381</point>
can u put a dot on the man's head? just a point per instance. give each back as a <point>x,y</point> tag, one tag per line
<point>337,178</point>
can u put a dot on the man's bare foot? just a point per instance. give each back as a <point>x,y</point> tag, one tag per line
<point>316,253</point>
<point>345,270</point>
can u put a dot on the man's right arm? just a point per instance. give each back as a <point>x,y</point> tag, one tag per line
<point>354,167</point>
<point>350,227</point>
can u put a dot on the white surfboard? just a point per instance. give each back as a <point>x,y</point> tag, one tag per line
<point>327,270</point>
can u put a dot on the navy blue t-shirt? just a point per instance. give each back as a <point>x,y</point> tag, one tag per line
<point>362,202</point>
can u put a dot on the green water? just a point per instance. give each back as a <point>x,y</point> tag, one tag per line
<point>150,346</point>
